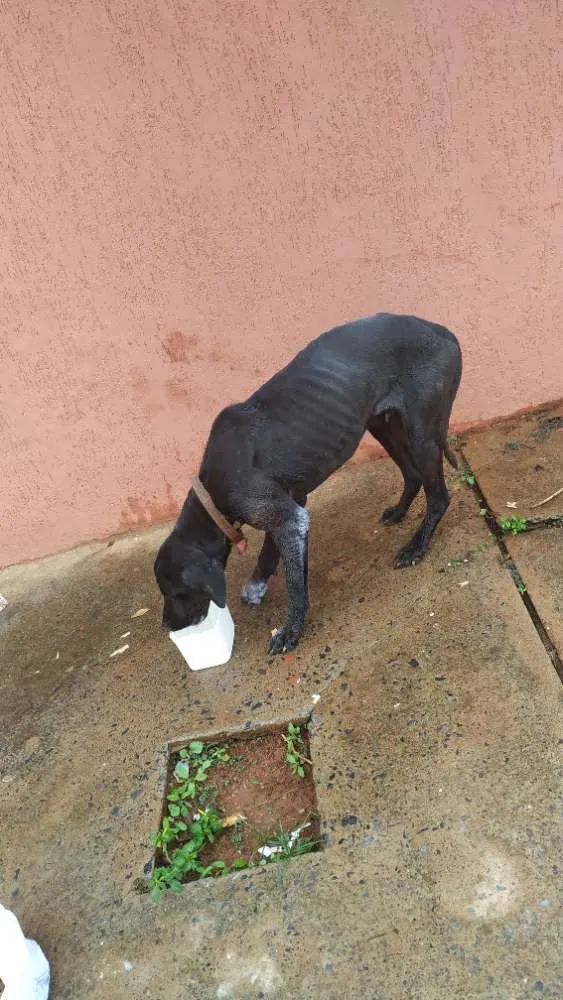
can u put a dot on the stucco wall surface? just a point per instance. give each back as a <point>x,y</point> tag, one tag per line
<point>190,192</point>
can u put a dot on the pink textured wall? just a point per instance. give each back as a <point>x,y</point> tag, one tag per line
<point>190,192</point>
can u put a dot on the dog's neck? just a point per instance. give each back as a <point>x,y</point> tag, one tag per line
<point>195,523</point>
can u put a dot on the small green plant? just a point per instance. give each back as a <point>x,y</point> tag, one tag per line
<point>516,525</point>
<point>468,477</point>
<point>295,747</point>
<point>190,821</point>
<point>457,440</point>
<point>287,845</point>
<point>520,585</point>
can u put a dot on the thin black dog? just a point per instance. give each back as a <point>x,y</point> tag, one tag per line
<point>394,376</point>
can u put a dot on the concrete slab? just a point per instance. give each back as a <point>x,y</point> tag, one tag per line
<point>539,558</point>
<point>434,746</point>
<point>518,463</point>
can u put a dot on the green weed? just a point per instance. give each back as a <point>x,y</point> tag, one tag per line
<point>295,747</point>
<point>515,525</point>
<point>520,585</point>
<point>288,845</point>
<point>189,819</point>
<point>468,477</point>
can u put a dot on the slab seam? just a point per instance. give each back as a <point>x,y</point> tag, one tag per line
<point>511,565</point>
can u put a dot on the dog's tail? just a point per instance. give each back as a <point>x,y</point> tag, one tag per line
<point>451,456</point>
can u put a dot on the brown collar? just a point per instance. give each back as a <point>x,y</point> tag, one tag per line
<point>232,531</point>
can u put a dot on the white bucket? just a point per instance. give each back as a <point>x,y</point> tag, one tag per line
<point>208,644</point>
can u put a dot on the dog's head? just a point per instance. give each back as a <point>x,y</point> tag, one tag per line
<point>189,579</point>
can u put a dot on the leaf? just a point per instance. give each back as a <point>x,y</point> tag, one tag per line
<point>239,863</point>
<point>182,771</point>
<point>196,747</point>
<point>213,867</point>
<point>176,886</point>
<point>156,893</point>
<point>174,810</point>
<point>141,611</point>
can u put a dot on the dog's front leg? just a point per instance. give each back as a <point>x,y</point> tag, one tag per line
<point>292,540</point>
<point>254,590</point>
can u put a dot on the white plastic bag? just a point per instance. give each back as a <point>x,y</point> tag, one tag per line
<point>24,970</point>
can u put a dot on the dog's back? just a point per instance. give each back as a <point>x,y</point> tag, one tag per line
<point>309,418</point>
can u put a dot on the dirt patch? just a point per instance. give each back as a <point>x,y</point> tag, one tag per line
<point>250,798</point>
<point>259,784</point>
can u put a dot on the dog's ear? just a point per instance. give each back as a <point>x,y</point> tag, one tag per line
<point>207,577</point>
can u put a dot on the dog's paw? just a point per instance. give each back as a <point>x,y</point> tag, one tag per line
<point>253,592</point>
<point>392,515</point>
<point>410,555</point>
<point>282,641</point>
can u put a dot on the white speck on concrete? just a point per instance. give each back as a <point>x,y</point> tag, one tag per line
<point>122,649</point>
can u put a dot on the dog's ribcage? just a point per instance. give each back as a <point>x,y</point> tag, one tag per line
<point>316,411</point>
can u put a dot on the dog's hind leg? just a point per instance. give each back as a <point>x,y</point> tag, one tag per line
<point>427,455</point>
<point>389,430</point>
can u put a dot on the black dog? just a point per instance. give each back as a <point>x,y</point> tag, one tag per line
<point>394,376</point>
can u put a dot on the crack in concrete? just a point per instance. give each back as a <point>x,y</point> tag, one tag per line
<point>512,566</point>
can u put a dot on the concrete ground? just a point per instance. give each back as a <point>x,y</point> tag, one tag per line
<point>434,744</point>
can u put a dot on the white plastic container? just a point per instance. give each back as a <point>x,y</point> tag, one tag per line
<point>208,644</point>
